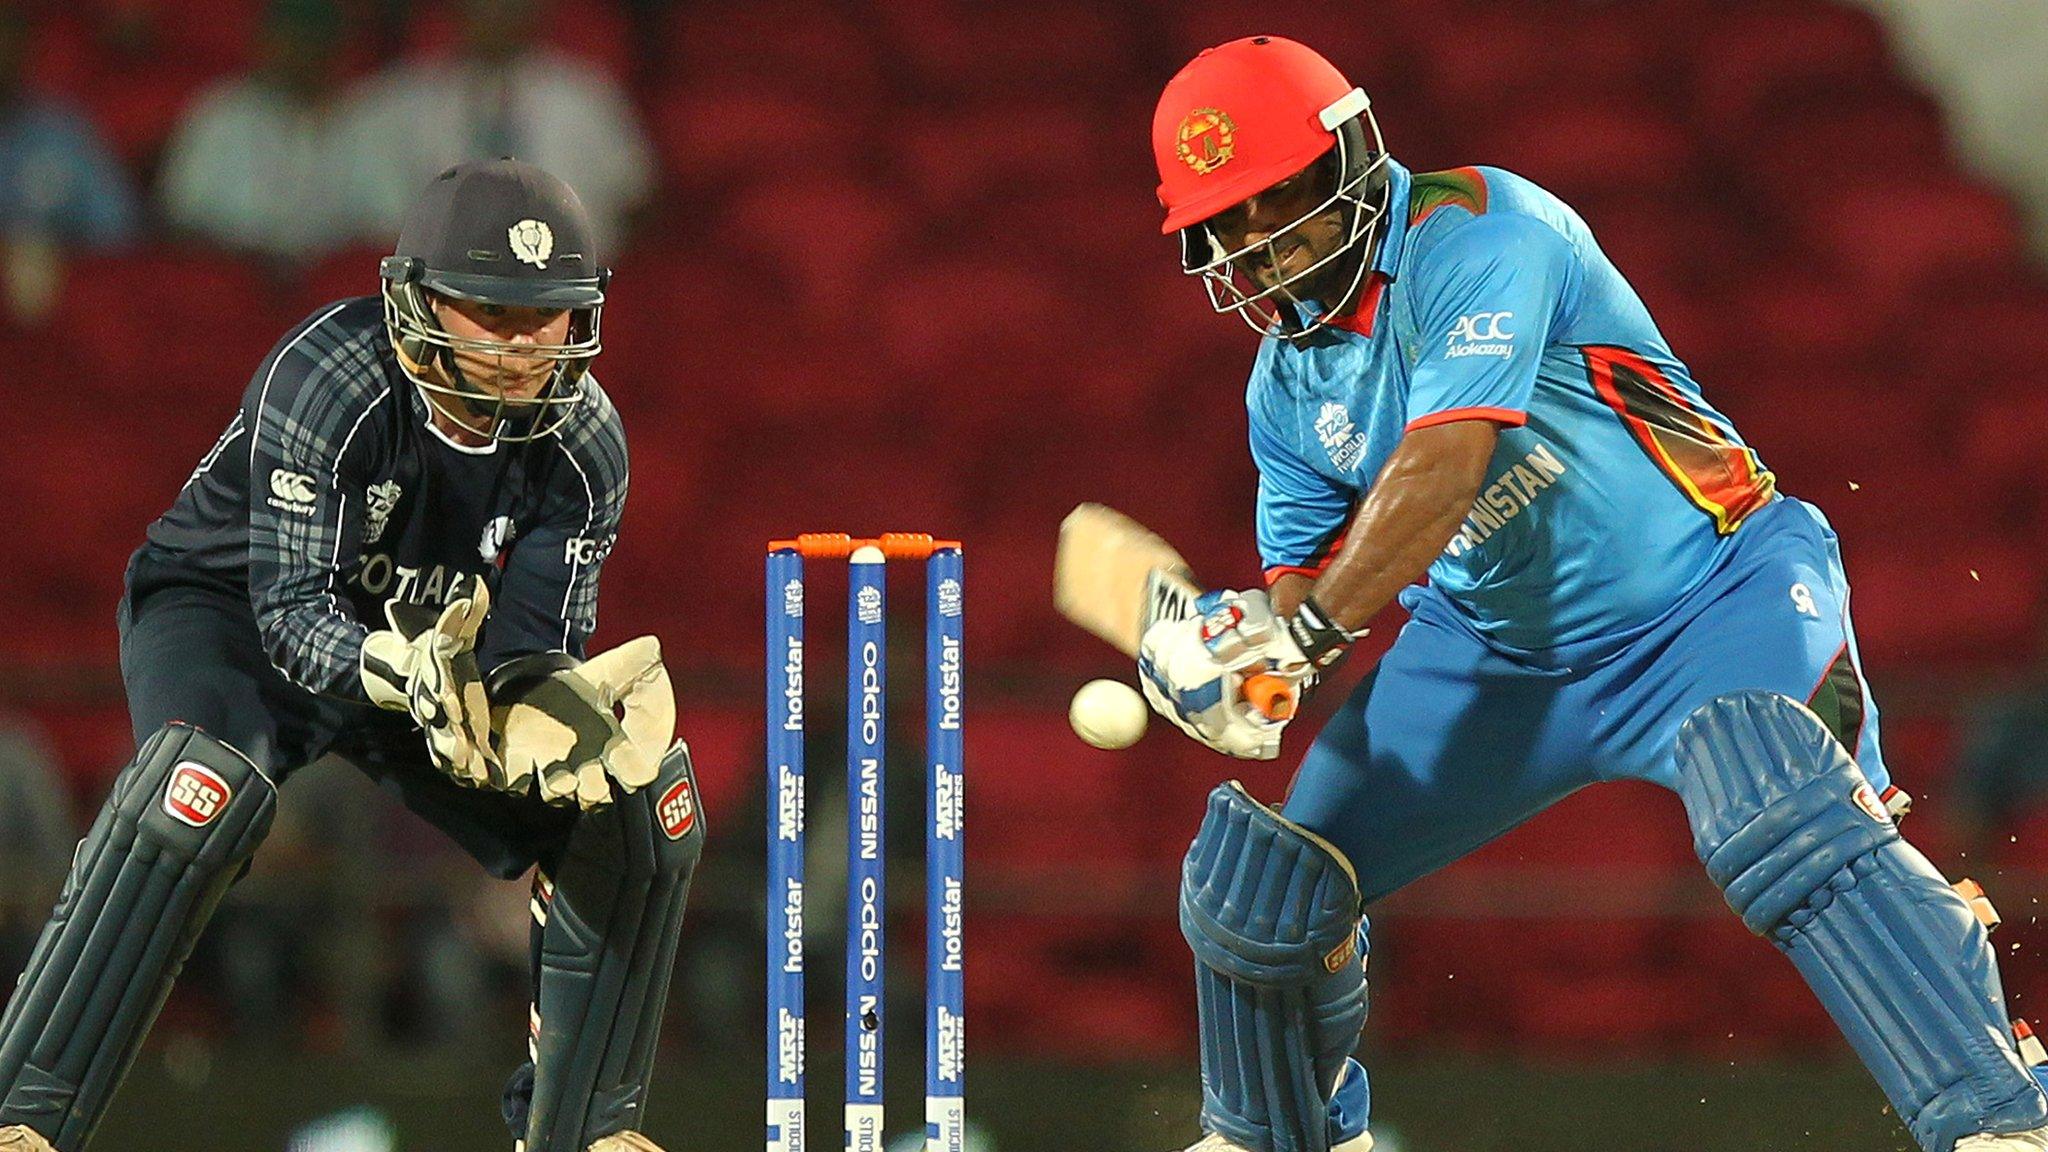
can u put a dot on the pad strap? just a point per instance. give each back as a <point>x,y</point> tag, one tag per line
<point>608,948</point>
<point>1811,859</point>
<point>181,822</point>
<point>1271,911</point>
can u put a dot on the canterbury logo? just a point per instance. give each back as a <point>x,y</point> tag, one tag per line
<point>291,487</point>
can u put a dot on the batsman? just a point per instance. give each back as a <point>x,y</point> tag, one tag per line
<point>1455,382</point>
<point>391,555</point>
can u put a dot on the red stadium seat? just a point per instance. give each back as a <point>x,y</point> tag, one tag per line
<point>1893,134</point>
<point>853,235</point>
<point>1583,146</point>
<point>1758,60</point>
<point>785,46</point>
<point>1796,314</point>
<point>1895,234</point>
<point>1370,52</point>
<point>950,159</point>
<point>1975,602</point>
<point>592,31</point>
<point>1000,53</point>
<point>715,135</point>
<point>1627,829</point>
<point>111,304</point>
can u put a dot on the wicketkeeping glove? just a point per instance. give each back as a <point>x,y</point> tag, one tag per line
<point>425,665</point>
<point>581,725</point>
<point>1193,672</point>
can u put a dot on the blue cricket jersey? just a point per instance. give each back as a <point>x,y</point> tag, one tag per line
<point>1614,488</point>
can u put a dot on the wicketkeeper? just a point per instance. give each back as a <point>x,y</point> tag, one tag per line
<point>392,555</point>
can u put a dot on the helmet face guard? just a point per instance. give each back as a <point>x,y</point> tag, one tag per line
<point>424,344</point>
<point>1358,187</point>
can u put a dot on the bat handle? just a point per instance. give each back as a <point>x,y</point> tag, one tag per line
<point>1272,695</point>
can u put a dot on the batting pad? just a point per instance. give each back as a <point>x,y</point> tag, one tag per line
<point>1808,856</point>
<point>607,950</point>
<point>1271,912</point>
<point>171,839</point>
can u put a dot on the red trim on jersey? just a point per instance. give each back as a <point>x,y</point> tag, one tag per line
<point>1319,559</point>
<point>1274,573</point>
<point>1826,673</point>
<point>1364,317</point>
<point>1718,473</point>
<point>1507,417</point>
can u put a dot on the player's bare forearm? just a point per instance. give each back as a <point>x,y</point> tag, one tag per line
<point>1414,508</point>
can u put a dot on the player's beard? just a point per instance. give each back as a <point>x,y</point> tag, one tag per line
<point>1325,285</point>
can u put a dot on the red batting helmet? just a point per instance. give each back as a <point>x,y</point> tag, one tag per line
<point>1241,118</point>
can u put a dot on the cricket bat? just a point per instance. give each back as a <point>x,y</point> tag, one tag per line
<point>1115,577</point>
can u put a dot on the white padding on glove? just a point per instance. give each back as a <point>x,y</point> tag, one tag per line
<point>425,665</point>
<point>1193,672</point>
<point>579,729</point>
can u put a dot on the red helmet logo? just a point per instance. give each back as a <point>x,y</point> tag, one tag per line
<point>1207,139</point>
<point>1276,90</point>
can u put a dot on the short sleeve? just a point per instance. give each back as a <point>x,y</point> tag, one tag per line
<point>1485,298</point>
<point>1302,514</point>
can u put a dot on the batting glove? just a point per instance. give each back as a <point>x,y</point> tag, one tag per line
<point>1193,672</point>
<point>425,665</point>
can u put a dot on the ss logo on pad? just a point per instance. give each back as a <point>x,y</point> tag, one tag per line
<point>196,794</point>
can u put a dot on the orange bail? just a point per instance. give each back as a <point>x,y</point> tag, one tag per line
<point>839,545</point>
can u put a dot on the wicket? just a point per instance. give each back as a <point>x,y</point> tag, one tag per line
<point>866,915</point>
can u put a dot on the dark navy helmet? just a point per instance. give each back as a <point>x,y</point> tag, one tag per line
<point>498,232</point>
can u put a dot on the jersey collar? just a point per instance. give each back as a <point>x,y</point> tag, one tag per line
<point>1386,261</point>
<point>424,413</point>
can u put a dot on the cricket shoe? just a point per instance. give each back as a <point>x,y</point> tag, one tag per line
<point>17,1138</point>
<point>1215,1142</point>
<point>2035,1140</point>
<point>621,1142</point>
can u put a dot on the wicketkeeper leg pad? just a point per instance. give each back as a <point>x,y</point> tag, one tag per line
<point>181,822</point>
<point>1271,911</point>
<point>613,916</point>
<point>1807,855</point>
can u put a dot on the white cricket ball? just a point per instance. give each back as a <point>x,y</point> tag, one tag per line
<point>1108,714</point>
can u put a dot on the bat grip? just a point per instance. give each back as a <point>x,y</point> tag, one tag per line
<point>1272,695</point>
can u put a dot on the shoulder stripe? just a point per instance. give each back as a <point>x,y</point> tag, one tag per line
<point>1462,187</point>
<point>263,396</point>
<point>341,512</point>
<point>589,520</point>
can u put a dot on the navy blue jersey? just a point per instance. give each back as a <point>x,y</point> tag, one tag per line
<point>331,493</point>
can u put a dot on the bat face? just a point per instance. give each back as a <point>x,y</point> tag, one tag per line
<point>1169,595</point>
<point>1113,576</point>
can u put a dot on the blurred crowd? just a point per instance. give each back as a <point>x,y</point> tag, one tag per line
<point>318,146</point>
